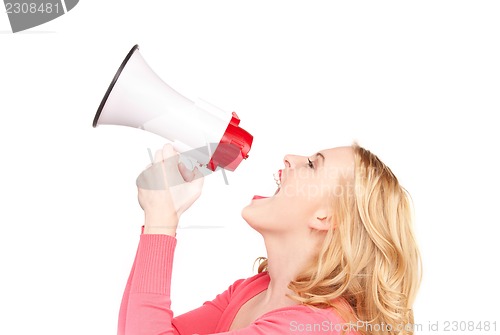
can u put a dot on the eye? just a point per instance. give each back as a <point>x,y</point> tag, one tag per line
<point>310,163</point>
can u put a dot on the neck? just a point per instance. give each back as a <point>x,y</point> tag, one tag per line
<point>286,257</point>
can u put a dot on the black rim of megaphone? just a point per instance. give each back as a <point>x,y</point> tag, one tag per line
<point>113,82</point>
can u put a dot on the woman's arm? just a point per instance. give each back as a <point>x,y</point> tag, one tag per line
<point>165,190</point>
<point>150,300</point>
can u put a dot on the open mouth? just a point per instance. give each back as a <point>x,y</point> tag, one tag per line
<point>277,179</point>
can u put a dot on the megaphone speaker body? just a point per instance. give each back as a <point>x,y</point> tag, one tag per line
<point>139,98</point>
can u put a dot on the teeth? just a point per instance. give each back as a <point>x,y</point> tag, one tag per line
<point>277,178</point>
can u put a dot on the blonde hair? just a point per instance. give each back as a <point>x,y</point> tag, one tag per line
<point>369,267</point>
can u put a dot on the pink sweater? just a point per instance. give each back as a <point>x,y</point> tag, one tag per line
<point>145,307</point>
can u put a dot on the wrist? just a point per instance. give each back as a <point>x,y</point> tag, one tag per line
<point>166,225</point>
<point>158,230</point>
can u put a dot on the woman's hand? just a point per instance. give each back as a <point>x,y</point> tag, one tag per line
<point>166,189</point>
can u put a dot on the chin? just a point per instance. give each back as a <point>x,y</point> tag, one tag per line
<point>254,217</point>
<point>246,214</point>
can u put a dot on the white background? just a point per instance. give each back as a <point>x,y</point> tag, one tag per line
<point>418,84</point>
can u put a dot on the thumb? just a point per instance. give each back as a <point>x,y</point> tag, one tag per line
<point>186,174</point>
<point>193,178</point>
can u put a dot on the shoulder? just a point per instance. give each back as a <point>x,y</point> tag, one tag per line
<point>260,279</point>
<point>240,290</point>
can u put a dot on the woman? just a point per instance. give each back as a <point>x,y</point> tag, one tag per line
<point>341,254</point>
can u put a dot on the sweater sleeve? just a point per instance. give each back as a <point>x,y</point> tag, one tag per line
<point>145,306</point>
<point>148,306</point>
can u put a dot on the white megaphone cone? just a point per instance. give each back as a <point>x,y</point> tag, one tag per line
<point>138,98</point>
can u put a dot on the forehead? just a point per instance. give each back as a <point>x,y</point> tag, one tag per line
<point>338,158</point>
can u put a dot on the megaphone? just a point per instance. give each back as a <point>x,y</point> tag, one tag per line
<point>138,98</point>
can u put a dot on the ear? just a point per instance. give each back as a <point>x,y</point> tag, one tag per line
<point>321,221</point>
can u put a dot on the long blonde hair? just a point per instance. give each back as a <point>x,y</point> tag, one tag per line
<point>369,267</point>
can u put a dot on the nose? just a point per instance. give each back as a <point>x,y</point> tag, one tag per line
<point>291,161</point>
